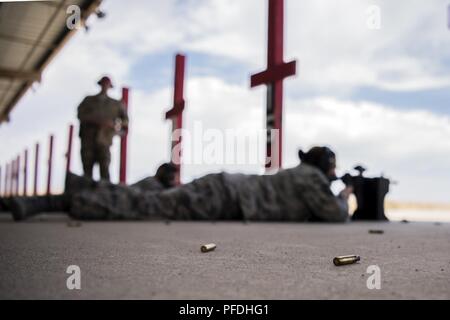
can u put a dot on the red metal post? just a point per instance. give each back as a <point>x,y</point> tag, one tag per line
<point>2,186</point>
<point>8,185</point>
<point>15,178</point>
<point>16,190</point>
<point>69,149</point>
<point>12,178</point>
<point>50,164</point>
<point>5,189</point>
<point>9,181</point>
<point>25,173</point>
<point>273,77</point>
<point>176,114</point>
<point>36,169</point>
<point>124,141</point>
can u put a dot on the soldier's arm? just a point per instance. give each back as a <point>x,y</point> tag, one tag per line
<point>123,115</point>
<point>81,110</point>
<point>321,201</point>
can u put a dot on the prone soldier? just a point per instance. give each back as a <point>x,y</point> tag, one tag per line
<point>298,194</point>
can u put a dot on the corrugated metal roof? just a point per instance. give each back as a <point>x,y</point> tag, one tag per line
<point>31,34</point>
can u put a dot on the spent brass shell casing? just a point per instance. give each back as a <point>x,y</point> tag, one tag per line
<point>208,247</point>
<point>344,260</point>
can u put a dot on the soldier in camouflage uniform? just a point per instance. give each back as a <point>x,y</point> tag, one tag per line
<point>163,179</point>
<point>99,116</point>
<point>298,194</point>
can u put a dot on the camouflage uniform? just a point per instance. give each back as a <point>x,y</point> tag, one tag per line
<point>148,184</point>
<point>298,194</point>
<point>106,201</point>
<point>97,115</point>
<point>93,193</point>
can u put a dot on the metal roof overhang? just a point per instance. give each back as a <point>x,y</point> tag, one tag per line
<point>31,35</point>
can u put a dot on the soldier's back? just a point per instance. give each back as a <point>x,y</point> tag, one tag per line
<point>148,184</point>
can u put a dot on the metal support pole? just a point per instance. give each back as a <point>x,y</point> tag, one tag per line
<point>273,77</point>
<point>124,142</point>
<point>69,149</point>
<point>50,163</point>
<point>36,169</point>
<point>25,173</point>
<point>11,178</point>
<point>176,114</point>
<point>16,191</point>
<point>5,189</point>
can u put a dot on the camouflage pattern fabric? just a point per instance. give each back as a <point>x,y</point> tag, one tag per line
<point>114,202</point>
<point>298,194</point>
<point>107,201</point>
<point>148,184</point>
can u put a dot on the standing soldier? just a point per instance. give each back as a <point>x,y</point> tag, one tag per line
<point>100,119</point>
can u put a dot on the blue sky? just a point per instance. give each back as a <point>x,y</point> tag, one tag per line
<point>378,97</point>
<point>200,64</point>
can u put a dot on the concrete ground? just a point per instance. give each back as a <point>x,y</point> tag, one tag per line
<point>152,260</point>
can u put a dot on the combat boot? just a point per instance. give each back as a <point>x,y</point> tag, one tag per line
<point>23,208</point>
<point>26,207</point>
<point>4,204</point>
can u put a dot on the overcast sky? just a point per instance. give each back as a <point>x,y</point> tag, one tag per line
<point>378,97</point>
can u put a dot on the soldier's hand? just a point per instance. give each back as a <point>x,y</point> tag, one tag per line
<point>109,124</point>
<point>345,194</point>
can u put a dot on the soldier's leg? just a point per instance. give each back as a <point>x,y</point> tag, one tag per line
<point>207,198</point>
<point>23,208</point>
<point>26,207</point>
<point>104,160</point>
<point>106,202</point>
<point>88,157</point>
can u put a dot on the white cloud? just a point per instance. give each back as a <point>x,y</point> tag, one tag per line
<point>408,147</point>
<point>336,50</point>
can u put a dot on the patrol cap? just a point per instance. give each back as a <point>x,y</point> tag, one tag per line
<point>321,157</point>
<point>107,80</point>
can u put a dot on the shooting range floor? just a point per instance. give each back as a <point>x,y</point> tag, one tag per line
<point>152,260</point>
